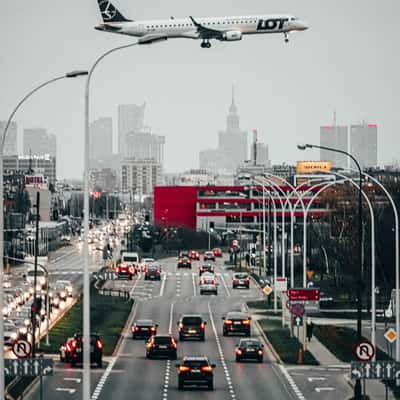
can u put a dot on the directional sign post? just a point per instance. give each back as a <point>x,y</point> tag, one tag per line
<point>386,370</point>
<point>29,367</point>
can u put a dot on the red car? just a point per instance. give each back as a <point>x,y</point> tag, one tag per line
<point>125,271</point>
<point>194,255</point>
<point>217,252</point>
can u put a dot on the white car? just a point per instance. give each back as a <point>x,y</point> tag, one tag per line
<point>10,333</point>
<point>145,263</point>
<point>64,285</point>
<point>209,288</point>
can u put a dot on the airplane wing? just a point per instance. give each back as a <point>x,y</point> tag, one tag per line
<point>207,33</point>
<point>151,38</point>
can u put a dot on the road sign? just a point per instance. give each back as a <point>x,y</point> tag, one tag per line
<point>267,290</point>
<point>387,370</point>
<point>365,351</point>
<point>297,310</point>
<point>309,305</point>
<point>390,335</point>
<point>105,276</point>
<point>304,294</point>
<point>281,285</point>
<point>22,348</point>
<point>310,274</point>
<point>29,367</point>
<point>299,321</point>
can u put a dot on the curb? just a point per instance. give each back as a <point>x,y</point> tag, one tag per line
<point>268,343</point>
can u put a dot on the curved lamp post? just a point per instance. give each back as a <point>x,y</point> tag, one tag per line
<point>71,74</point>
<point>86,277</point>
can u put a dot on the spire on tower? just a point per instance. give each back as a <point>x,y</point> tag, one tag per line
<point>233,108</point>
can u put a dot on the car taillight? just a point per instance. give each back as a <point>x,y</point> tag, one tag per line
<point>68,347</point>
<point>247,279</point>
<point>246,322</point>
<point>235,280</point>
<point>158,272</point>
<point>131,270</point>
<point>184,368</point>
<point>74,343</point>
<point>173,343</point>
<point>180,262</point>
<point>206,368</point>
<point>99,345</point>
<point>239,352</point>
<point>136,328</point>
<point>118,269</point>
<point>180,325</point>
<point>153,329</point>
<point>260,352</point>
<point>202,325</point>
<point>228,322</point>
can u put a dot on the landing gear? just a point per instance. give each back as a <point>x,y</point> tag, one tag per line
<point>286,37</point>
<point>205,44</point>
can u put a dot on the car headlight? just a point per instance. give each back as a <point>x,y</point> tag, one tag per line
<point>14,335</point>
<point>27,322</point>
<point>23,331</point>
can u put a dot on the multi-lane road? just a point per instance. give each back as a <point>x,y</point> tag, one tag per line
<point>128,374</point>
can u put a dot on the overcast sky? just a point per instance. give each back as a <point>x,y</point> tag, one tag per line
<point>348,60</point>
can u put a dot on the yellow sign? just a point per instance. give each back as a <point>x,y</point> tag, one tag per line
<point>267,290</point>
<point>310,167</point>
<point>390,335</point>
<point>310,274</point>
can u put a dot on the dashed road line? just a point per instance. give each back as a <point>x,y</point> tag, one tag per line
<point>131,294</point>
<point>171,315</point>
<point>166,380</point>
<point>163,285</point>
<point>292,383</point>
<point>103,379</point>
<point>222,357</point>
<point>194,284</point>
<point>228,293</point>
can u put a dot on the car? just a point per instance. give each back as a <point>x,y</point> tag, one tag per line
<point>241,279</point>
<point>10,333</point>
<point>153,272</point>
<point>236,322</point>
<point>195,371</point>
<point>184,263</point>
<point>206,268</point>
<point>125,271</point>
<point>217,252</point>
<point>209,255</point>
<point>208,288</point>
<point>130,258</point>
<point>96,349</point>
<point>192,326</point>
<point>145,263</point>
<point>194,255</point>
<point>143,329</point>
<point>249,349</point>
<point>183,253</point>
<point>208,279</point>
<point>67,286</point>
<point>65,350</point>
<point>162,345</point>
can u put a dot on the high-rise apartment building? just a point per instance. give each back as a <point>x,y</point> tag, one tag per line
<point>38,142</point>
<point>336,137</point>
<point>143,145</point>
<point>262,154</point>
<point>100,138</point>
<point>10,144</point>
<point>364,144</point>
<point>130,119</point>
<point>210,160</point>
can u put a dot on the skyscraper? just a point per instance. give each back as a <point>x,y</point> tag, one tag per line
<point>143,145</point>
<point>100,138</point>
<point>38,142</point>
<point>336,137</point>
<point>10,144</point>
<point>364,144</point>
<point>130,119</point>
<point>232,143</point>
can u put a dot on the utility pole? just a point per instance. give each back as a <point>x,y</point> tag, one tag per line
<point>35,302</point>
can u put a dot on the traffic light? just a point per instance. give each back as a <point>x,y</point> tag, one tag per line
<point>36,306</point>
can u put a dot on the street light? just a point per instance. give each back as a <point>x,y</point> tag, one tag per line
<point>72,74</point>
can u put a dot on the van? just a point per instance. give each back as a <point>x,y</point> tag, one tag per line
<point>128,258</point>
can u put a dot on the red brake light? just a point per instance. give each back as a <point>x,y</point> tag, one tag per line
<point>74,343</point>
<point>203,325</point>
<point>153,329</point>
<point>118,269</point>
<point>184,368</point>
<point>260,352</point>
<point>228,322</point>
<point>131,270</point>
<point>239,352</point>
<point>136,328</point>
<point>206,368</point>
<point>173,343</point>
<point>246,322</point>
<point>99,345</point>
<point>68,347</point>
<point>180,325</point>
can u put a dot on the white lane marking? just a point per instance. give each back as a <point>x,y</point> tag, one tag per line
<point>317,378</point>
<point>324,389</point>
<point>163,285</point>
<point>68,390</point>
<point>221,355</point>
<point>291,383</point>
<point>166,380</point>
<point>194,284</point>
<point>228,293</point>
<point>103,379</point>
<point>134,286</point>
<point>171,314</point>
<point>77,380</point>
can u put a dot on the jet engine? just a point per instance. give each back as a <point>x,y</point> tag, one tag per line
<point>232,36</point>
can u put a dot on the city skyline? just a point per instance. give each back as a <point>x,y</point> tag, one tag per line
<point>286,91</point>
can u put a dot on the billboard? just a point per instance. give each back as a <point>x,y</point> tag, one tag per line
<point>310,167</point>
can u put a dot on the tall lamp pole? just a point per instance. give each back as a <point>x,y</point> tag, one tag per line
<point>71,74</point>
<point>86,277</point>
<point>359,241</point>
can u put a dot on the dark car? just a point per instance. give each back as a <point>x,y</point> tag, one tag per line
<point>236,322</point>
<point>153,271</point>
<point>209,255</point>
<point>183,254</point>
<point>194,255</point>
<point>161,345</point>
<point>195,371</point>
<point>143,329</point>
<point>249,349</point>
<point>184,263</point>
<point>192,326</point>
<point>125,271</point>
<point>96,349</point>
<point>241,279</point>
<point>65,350</point>
<point>217,252</point>
<point>206,268</point>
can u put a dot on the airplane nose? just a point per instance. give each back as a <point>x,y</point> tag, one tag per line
<point>302,26</point>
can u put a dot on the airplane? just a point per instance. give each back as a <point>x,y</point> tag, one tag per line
<point>218,28</point>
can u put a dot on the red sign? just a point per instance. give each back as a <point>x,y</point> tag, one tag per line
<point>297,309</point>
<point>304,294</point>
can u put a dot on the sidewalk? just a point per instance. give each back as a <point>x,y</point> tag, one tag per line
<point>375,389</point>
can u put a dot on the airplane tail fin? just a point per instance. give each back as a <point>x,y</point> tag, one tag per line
<point>109,13</point>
